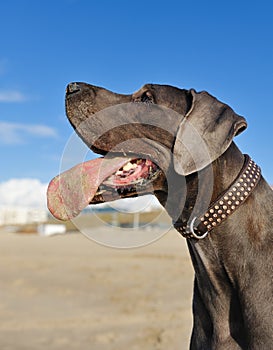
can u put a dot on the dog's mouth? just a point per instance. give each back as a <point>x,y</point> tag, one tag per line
<point>133,179</point>
<point>100,180</point>
<point>136,172</point>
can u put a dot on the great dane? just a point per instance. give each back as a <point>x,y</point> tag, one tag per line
<point>178,144</point>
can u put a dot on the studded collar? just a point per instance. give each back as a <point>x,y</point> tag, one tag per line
<point>225,204</point>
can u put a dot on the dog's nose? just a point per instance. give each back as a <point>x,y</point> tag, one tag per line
<point>72,88</point>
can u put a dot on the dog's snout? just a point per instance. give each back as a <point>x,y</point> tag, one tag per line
<point>72,88</point>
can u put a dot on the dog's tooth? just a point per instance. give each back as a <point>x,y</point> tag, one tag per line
<point>128,166</point>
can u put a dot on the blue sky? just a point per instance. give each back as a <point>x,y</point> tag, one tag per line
<point>225,48</point>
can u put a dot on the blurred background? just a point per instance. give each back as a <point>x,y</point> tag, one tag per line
<point>224,49</point>
<point>66,292</point>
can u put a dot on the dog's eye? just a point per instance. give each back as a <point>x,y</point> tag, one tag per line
<point>146,97</point>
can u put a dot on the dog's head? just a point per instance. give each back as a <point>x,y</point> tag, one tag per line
<point>157,132</point>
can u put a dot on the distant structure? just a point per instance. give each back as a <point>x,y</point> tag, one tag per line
<point>13,215</point>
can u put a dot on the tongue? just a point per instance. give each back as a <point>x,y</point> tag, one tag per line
<point>70,192</point>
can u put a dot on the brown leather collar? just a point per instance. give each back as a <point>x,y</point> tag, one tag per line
<point>225,204</point>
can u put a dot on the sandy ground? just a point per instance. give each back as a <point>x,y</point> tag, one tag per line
<point>67,292</point>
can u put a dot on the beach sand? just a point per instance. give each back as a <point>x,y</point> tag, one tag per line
<point>68,292</point>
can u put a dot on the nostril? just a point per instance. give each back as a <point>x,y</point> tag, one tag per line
<point>72,88</point>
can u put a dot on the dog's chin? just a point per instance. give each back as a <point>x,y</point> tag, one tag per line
<point>137,177</point>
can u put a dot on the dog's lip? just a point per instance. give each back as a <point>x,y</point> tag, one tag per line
<point>131,172</point>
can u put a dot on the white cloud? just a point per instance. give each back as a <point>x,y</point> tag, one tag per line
<point>31,193</point>
<point>17,133</point>
<point>11,95</point>
<point>23,192</point>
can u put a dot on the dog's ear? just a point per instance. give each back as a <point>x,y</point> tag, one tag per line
<point>205,133</point>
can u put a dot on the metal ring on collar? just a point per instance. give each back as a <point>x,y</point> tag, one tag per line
<point>192,230</point>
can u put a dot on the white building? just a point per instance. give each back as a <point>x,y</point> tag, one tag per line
<point>13,215</point>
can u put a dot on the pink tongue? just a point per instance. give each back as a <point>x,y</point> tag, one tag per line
<point>70,192</point>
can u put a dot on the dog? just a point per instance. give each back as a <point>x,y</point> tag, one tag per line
<point>179,145</point>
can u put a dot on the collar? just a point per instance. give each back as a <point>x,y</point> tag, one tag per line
<point>226,204</point>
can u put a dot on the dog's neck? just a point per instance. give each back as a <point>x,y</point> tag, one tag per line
<point>226,169</point>
<point>193,195</point>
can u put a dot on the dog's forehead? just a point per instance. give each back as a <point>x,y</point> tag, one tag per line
<point>142,90</point>
<point>156,88</point>
<point>162,91</point>
<point>177,99</point>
